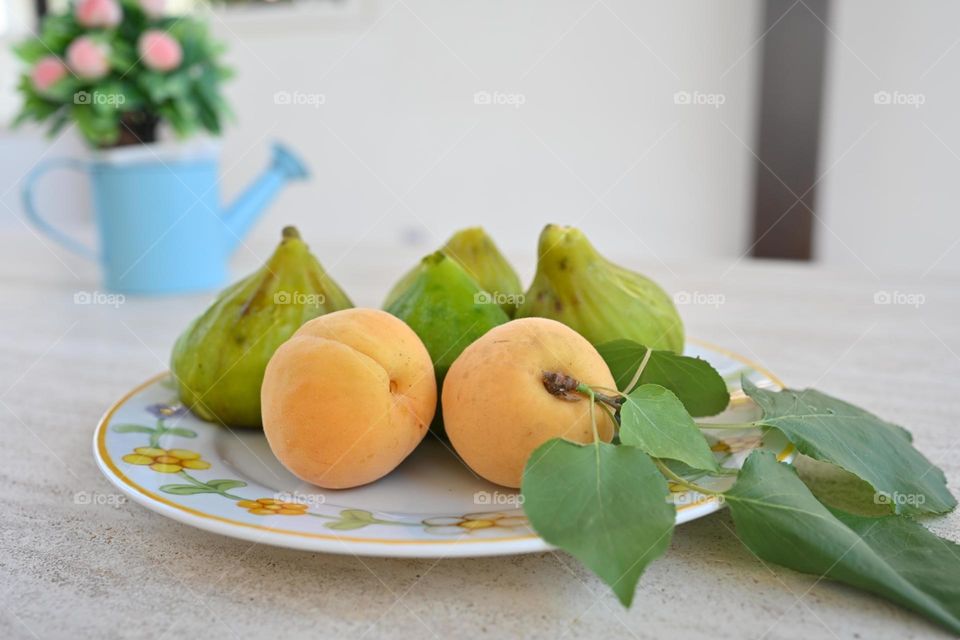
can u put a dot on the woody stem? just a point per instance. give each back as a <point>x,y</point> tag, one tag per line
<point>564,386</point>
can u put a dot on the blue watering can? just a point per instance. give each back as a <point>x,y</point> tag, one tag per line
<point>159,219</point>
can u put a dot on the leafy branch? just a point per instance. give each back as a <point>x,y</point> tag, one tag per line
<point>608,504</point>
<point>891,556</point>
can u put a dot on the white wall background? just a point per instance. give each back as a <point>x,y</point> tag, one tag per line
<point>400,153</point>
<point>888,200</point>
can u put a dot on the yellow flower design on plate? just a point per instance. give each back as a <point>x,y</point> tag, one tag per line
<point>736,444</point>
<point>271,507</point>
<point>166,460</point>
<point>474,523</point>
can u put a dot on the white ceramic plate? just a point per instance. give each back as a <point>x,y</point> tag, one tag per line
<point>228,481</point>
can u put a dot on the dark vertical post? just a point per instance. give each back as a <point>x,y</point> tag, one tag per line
<point>42,10</point>
<point>791,91</point>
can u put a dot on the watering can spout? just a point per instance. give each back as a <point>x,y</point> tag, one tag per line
<point>248,206</point>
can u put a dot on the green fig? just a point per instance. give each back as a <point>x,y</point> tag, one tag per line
<point>218,362</point>
<point>446,308</point>
<point>600,300</point>
<point>482,260</point>
<point>475,251</point>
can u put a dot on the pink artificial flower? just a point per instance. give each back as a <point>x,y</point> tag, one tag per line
<point>47,72</point>
<point>99,13</point>
<point>159,51</point>
<point>153,8</point>
<point>88,58</point>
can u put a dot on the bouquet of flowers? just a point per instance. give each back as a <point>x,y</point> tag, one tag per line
<point>117,68</point>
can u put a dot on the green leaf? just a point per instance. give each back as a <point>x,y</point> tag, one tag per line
<point>132,428</point>
<point>781,522</point>
<point>58,31</point>
<point>163,86</point>
<point>59,121</point>
<point>654,420</point>
<point>123,56</point>
<point>184,489</point>
<point>64,90</point>
<point>224,485</point>
<point>31,50</point>
<point>702,390</point>
<point>604,504</point>
<point>36,107</point>
<point>98,128</point>
<point>928,562</point>
<point>874,450</point>
<point>112,96</point>
<point>181,115</point>
<point>209,103</point>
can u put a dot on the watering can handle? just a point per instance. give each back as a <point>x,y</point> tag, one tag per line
<point>40,223</point>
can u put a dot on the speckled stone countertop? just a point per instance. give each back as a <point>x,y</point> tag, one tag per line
<point>115,570</point>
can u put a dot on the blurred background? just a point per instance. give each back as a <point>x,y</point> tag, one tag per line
<point>670,132</point>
